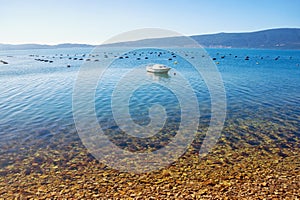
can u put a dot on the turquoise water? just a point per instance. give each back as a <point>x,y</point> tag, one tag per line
<point>36,96</point>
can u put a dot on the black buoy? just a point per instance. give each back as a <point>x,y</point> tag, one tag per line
<point>68,65</point>
<point>214,59</point>
<point>4,62</point>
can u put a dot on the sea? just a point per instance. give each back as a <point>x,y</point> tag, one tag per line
<point>262,90</point>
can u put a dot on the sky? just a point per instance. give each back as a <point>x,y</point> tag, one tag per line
<point>95,21</point>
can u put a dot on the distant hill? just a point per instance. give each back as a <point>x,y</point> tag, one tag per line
<point>283,38</point>
<point>41,46</point>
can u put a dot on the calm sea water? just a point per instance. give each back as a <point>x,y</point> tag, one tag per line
<point>36,96</point>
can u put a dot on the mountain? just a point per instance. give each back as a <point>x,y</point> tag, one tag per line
<point>283,38</point>
<point>41,46</point>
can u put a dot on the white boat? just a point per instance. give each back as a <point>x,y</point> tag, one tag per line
<point>157,68</point>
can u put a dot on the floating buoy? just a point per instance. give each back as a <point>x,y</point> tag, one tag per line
<point>4,62</point>
<point>68,65</point>
<point>175,62</point>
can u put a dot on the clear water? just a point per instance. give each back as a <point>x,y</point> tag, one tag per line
<point>36,96</point>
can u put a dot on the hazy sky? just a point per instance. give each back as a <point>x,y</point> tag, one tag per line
<point>94,21</point>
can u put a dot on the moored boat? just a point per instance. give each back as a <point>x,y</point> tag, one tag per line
<point>157,68</point>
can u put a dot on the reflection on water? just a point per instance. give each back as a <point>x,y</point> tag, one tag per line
<point>159,76</point>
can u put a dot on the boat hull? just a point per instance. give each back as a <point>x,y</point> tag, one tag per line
<point>158,69</point>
